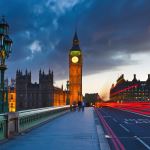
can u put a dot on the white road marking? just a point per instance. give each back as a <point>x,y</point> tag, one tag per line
<point>124,128</point>
<point>107,116</point>
<point>137,121</point>
<point>115,120</point>
<point>141,141</point>
<point>103,143</point>
<point>107,136</point>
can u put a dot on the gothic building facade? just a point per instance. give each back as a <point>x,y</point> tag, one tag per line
<point>29,95</point>
<point>60,96</point>
<point>130,91</point>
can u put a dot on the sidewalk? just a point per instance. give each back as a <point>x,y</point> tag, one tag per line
<point>73,131</point>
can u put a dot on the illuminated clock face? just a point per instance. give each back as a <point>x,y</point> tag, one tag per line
<point>75,59</point>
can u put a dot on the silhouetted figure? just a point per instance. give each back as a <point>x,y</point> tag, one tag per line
<point>83,105</point>
<point>79,105</point>
<point>71,108</point>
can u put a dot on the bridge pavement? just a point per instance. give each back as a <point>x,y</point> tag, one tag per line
<point>73,131</point>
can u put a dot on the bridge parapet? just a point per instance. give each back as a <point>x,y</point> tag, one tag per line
<point>29,119</point>
<point>2,126</point>
<point>15,123</point>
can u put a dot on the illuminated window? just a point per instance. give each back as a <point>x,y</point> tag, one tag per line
<point>11,96</point>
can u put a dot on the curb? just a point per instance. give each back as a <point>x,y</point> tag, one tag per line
<point>103,143</point>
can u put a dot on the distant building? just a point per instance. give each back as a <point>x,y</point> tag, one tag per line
<point>12,96</point>
<point>29,95</point>
<point>91,98</point>
<point>130,91</point>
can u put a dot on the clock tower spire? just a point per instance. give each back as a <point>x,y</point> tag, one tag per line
<point>75,44</point>
<point>75,71</point>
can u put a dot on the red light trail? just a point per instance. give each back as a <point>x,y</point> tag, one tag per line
<point>125,89</point>
<point>136,107</point>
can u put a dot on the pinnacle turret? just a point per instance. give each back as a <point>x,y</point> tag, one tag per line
<point>75,44</point>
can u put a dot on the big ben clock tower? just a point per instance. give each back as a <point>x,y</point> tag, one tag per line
<point>75,71</point>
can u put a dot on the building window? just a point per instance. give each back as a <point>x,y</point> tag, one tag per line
<point>11,96</point>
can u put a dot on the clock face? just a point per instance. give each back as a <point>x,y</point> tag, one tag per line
<point>75,59</point>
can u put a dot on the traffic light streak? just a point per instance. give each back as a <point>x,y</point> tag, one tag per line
<point>142,108</point>
<point>125,89</point>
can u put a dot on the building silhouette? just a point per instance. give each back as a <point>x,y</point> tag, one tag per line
<point>91,98</point>
<point>32,95</point>
<point>130,91</point>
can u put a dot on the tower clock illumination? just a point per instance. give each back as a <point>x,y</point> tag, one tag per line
<point>75,71</point>
<point>75,59</point>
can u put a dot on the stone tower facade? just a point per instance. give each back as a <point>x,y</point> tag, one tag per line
<point>75,71</point>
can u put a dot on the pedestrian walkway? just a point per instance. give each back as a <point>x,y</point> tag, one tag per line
<point>73,131</point>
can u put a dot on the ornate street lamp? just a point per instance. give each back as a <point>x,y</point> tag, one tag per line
<point>5,50</point>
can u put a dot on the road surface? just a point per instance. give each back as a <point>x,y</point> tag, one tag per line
<point>131,130</point>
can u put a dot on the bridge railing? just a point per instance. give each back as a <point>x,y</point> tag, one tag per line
<point>2,126</point>
<point>30,118</point>
<point>14,123</point>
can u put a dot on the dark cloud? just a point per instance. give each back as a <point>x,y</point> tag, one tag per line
<point>109,32</point>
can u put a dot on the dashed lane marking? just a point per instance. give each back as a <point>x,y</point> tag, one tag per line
<point>115,120</point>
<point>141,141</point>
<point>107,116</point>
<point>103,143</point>
<point>124,128</point>
<point>137,121</point>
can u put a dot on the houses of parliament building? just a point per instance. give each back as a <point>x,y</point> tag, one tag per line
<point>130,91</point>
<point>23,94</point>
<point>27,95</point>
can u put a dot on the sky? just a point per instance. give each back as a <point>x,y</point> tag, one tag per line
<point>114,38</point>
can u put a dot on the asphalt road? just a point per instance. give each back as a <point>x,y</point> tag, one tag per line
<point>132,130</point>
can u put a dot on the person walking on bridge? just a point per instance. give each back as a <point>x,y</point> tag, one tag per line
<point>83,105</point>
<point>79,105</point>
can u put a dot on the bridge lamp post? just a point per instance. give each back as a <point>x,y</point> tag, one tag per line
<point>67,99</point>
<point>5,50</point>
